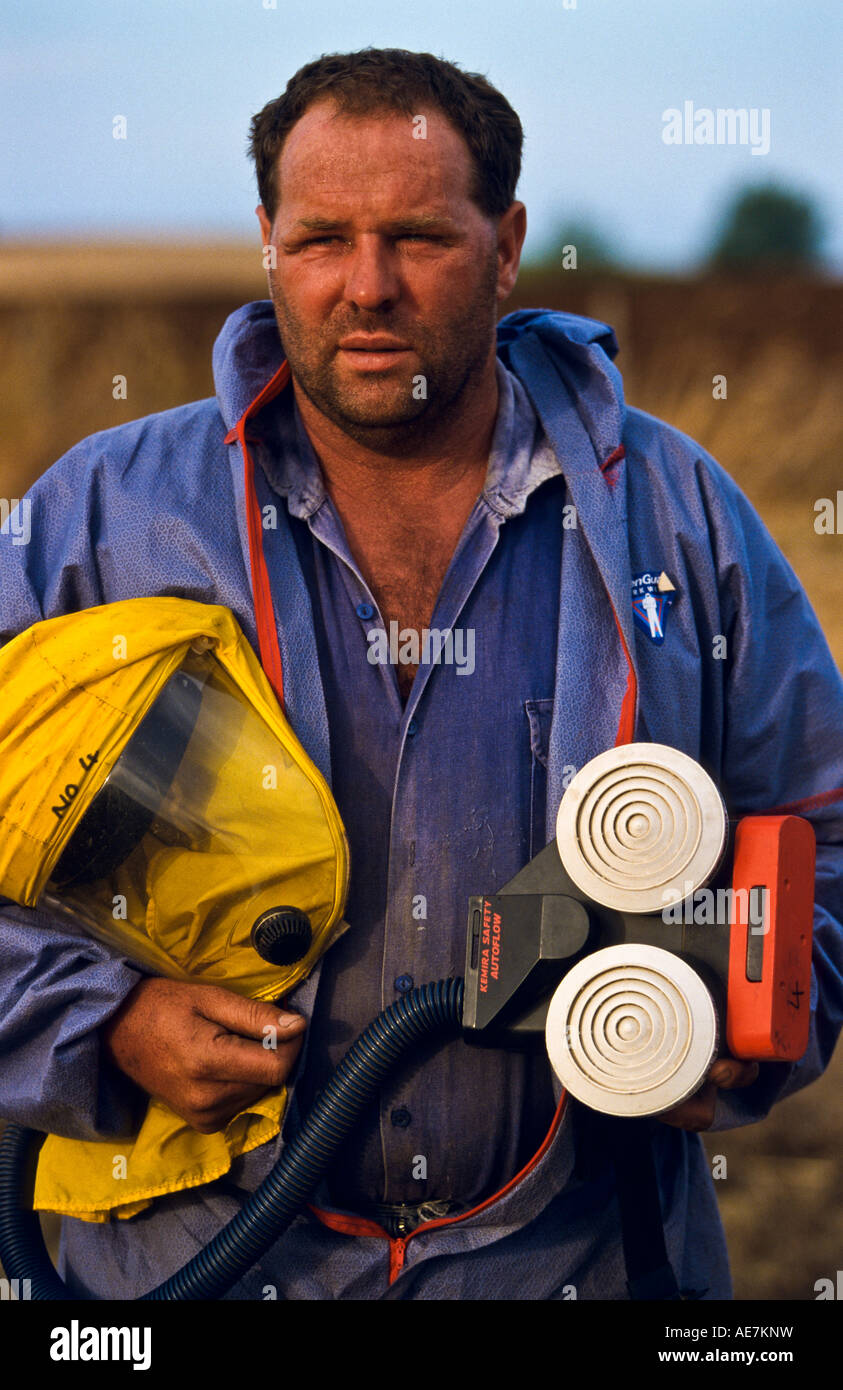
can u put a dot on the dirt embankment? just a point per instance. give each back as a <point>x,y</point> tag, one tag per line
<point>751,370</point>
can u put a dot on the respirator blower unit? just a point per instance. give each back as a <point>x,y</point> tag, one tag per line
<point>633,950</point>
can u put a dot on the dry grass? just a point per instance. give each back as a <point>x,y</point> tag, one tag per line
<point>71,320</point>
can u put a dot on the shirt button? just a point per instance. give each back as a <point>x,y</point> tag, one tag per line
<point>412,729</point>
<point>401,1117</point>
<point>403,983</point>
<point>365,611</point>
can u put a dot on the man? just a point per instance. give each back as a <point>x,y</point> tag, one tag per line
<point>412,474</point>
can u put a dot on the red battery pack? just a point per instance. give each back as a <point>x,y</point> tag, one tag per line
<point>772,913</point>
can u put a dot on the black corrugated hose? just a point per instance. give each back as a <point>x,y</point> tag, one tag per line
<point>430,1011</point>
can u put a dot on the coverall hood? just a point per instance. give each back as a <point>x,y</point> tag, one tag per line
<point>248,351</point>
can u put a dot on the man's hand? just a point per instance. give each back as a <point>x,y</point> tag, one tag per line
<point>727,1074</point>
<point>200,1048</point>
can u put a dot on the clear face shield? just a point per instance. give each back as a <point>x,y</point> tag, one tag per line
<point>206,852</point>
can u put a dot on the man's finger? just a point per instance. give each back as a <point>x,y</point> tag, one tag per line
<point>697,1112</point>
<point>731,1075</point>
<point>248,1017</point>
<point>726,1074</point>
<point>217,1105</point>
<point>267,1063</point>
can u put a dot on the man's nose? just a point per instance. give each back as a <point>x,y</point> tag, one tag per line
<point>372,280</point>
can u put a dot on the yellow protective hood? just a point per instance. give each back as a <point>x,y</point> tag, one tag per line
<point>242,823</point>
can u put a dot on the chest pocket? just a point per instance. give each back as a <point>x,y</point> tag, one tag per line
<point>539,714</point>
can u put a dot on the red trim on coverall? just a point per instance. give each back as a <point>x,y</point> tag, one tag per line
<point>358,1225</point>
<point>615,457</point>
<point>261,592</point>
<point>626,723</point>
<point>808,803</point>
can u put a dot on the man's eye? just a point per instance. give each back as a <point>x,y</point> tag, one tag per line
<point>329,238</point>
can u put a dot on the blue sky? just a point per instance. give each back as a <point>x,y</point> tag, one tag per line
<point>590,83</point>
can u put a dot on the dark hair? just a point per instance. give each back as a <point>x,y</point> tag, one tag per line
<point>393,79</point>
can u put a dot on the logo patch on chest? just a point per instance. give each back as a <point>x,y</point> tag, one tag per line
<point>653,594</point>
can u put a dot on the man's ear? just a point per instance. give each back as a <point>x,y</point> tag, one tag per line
<point>512,229</point>
<point>266,225</point>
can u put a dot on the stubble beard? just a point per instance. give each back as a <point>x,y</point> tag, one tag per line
<point>383,412</point>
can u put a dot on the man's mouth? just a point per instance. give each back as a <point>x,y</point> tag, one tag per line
<point>373,342</point>
<point>373,350</point>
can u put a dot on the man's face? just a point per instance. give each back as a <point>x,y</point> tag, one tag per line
<point>386,271</point>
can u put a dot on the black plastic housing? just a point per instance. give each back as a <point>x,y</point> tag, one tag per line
<point>522,940</point>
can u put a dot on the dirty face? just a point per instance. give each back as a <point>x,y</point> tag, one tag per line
<point>388,276</point>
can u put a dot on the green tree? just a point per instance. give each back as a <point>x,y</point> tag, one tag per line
<point>768,227</point>
<point>592,250</point>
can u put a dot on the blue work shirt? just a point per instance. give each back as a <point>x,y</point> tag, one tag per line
<point>441,798</point>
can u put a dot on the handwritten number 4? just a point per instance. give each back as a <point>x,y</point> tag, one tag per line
<point>70,791</point>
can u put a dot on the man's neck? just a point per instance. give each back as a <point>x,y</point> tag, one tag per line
<point>431,468</point>
<point>403,513</point>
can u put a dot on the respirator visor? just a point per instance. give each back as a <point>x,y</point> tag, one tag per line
<point>205,849</point>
